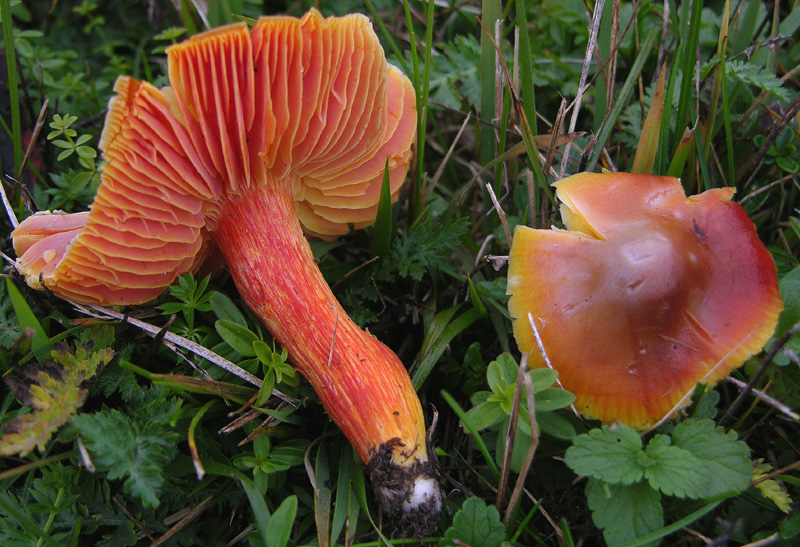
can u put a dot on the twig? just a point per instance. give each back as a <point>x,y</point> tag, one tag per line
<point>526,465</point>
<point>547,362</point>
<point>776,473</point>
<point>751,167</point>
<point>766,187</point>
<point>193,514</point>
<point>179,341</point>
<point>769,540</point>
<point>133,519</point>
<point>485,244</point>
<point>762,368</point>
<point>774,403</point>
<point>511,433</point>
<point>500,213</point>
<point>587,60</point>
<point>34,136</point>
<point>85,457</point>
<point>440,170</point>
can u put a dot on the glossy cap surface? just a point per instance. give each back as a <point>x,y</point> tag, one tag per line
<point>644,294</point>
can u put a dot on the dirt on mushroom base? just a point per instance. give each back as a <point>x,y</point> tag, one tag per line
<point>409,496</point>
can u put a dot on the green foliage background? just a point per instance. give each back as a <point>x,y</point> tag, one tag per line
<point>129,442</point>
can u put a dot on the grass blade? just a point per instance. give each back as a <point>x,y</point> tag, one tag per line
<point>322,496</point>
<point>40,343</point>
<point>382,231</point>
<point>280,525</point>
<point>622,101</point>
<point>13,84</point>
<point>687,69</point>
<point>439,335</point>
<point>648,140</point>
<point>484,450</point>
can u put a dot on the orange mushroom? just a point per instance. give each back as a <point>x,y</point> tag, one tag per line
<point>263,133</point>
<point>645,294</point>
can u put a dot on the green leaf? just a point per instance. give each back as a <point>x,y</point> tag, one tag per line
<point>725,461</point>
<point>495,377</point>
<point>790,527</point>
<point>770,488</point>
<point>624,512</point>
<point>136,446</point>
<point>757,76</point>
<point>486,414</point>
<point>424,245</point>
<point>555,425</point>
<point>237,336</point>
<point>790,293</point>
<point>610,456</point>
<point>281,522</point>
<point>65,154</point>
<point>291,452</point>
<point>476,525</point>
<point>552,398</point>
<point>542,378</point>
<point>345,506</point>
<point>672,469</point>
<point>224,308</point>
<point>323,494</point>
<point>438,336</point>
<point>58,391</point>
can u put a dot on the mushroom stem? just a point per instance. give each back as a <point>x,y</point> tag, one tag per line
<point>362,384</point>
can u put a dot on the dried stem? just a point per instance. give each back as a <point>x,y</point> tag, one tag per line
<point>526,465</point>
<point>776,347</point>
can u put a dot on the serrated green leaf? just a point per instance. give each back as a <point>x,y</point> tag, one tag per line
<point>624,512</point>
<point>137,448</point>
<point>757,76</point>
<point>770,488</point>
<point>610,456</point>
<point>424,245</point>
<point>476,525</point>
<point>725,460</point>
<point>237,336</point>
<point>57,392</point>
<point>673,470</point>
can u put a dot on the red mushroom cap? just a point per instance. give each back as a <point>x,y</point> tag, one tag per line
<point>644,294</point>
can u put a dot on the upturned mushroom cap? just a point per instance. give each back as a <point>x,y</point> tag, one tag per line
<point>644,294</point>
<point>310,100</point>
<point>264,133</point>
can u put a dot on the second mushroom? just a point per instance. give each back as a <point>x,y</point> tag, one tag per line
<point>263,134</point>
<point>643,295</point>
